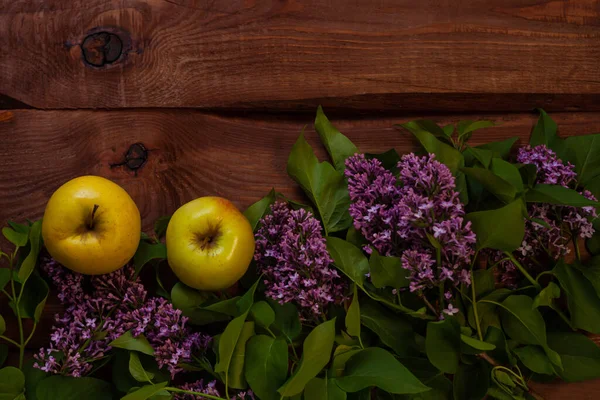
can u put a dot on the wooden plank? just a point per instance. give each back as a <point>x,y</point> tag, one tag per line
<point>390,54</point>
<point>190,153</point>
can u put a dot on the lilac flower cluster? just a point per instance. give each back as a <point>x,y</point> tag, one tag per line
<point>550,228</point>
<point>116,304</point>
<point>291,253</point>
<point>209,388</point>
<point>405,216</point>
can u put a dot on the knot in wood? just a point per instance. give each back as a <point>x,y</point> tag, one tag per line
<point>135,158</point>
<point>101,48</point>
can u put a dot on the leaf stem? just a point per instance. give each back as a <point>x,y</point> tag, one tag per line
<point>564,318</point>
<point>429,305</point>
<point>576,245</point>
<point>30,334</point>
<point>207,396</point>
<point>9,340</point>
<point>17,309</point>
<point>523,270</point>
<point>475,314</point>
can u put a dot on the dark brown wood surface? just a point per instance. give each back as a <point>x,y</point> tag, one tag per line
<point>218,91</point>
<point>290,54</point>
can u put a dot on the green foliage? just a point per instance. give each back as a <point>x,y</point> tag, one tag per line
<point>12,384</point>
<point>395,331</point>
<point>35,244</point>
<point>323,184</point>
<point>442,344</point>
<point>128,342</point>
<point>534,358</point>
<point>471,381</point>
<point>58,387</point>
<point>323,389</point>
<point>147,252</point>
<point>584,153</point>
<point>500,229</point>
<point>349,259</point>
<point>287,320</point>
<point>387,271</point>
<point>266,365</point>
<point>377,367</point>
<point>316,353</point>
<point>499,149</point>
<point>556,194</point>
<point>580,356</point>
<point>258,210</point>
<point>582,299</point>
<point>338,146</point>
<point>353,316</point>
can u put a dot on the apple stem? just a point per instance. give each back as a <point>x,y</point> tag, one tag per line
<point>91,220</point>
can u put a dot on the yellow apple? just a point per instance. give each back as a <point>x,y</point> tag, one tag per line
<point>209,243</point>
<point>91,225</point>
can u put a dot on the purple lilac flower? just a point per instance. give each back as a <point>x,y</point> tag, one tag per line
<point>291,253</point>
<point>399,216</point>
<point>550,228</point>
<point>209,388</point>
<point>118,303</point>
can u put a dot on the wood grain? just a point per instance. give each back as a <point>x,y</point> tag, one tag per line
<point>480,55</point>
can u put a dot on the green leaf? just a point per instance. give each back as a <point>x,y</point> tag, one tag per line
<point>466,127</point>
<point>500,229</point>
<point>483,156</point>
<point>592,273</point>
<point>341,355</point>
<point>34,298</point>
<point>443,153</point>
<point>471,381</point>
<point>2,325</point>
<point>315,356</point>
<point>545,297</point>
<point>389,159</point>
<point>147,252</point>
<point>508,172</point>
<point>190,302</point>
<point>4,277</point>
<point>256,211</point>
<point>580,356</point>
<point>524,324</point>
<point>556,194</point>
<point>128,342</point>
<point>287,320</point>
<point>266,366</point>
<point>33,376</point>
<point>12,383</point>
<point>59,387</point>
<point>585,152</point>
<point>528,174</point>
<point>353,316</point>
<point>17,238</point>
<point>582,300</point>
<point>244,304</point>
<point>476,343</point>
<point>236,368</point>
<point>544,132</point>
<point>21,228</point>
<point>323,389</point>
<point>338,146</point>
<point>501,353</point>
<point>393,330</point>
<point>488,313</point>
<point>376,367</point>
<point>35,241</point>
<point>145,392</point>
<point>228,342</point>
<point>349,259</point>
<point>353,236</point>
<point>500,188</point>
<point>500,149</point>
<point>136,369</point>
<point>160,225</point>
<point>442,344</point>
<point>3,353</point>
<point>324,185</point>
<point>534,358</point>
<point>484,282</point>
<point>387,271</point>
<point>262,313</point>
